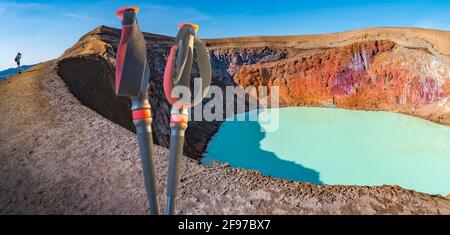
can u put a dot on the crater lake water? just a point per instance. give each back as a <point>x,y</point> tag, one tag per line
<point>339,147</point>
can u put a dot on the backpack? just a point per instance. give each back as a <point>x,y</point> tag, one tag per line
<point>18,57</point>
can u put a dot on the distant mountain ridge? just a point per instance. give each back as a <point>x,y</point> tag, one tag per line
<point>7,72</point>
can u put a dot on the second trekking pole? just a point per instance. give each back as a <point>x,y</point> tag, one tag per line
<point>185,43</point>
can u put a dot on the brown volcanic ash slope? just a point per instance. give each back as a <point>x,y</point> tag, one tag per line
<point>394,69</point>
<point>59,157</point>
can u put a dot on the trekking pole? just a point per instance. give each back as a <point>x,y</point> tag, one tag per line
<point>132,77</point>
<point>185,43</point>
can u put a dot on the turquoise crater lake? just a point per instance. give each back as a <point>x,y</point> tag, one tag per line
<point>340,147</point>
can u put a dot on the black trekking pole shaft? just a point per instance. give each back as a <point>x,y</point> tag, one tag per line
<point>143,121</point>
<point>178,127</point>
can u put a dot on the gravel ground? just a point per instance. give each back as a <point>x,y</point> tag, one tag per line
<point>59,157</point>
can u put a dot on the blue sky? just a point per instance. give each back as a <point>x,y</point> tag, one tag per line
<point>42,30</point>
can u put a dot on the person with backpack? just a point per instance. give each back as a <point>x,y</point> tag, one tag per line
<point>17,60</point>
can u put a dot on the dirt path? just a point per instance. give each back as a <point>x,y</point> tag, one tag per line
<point>59,157</point>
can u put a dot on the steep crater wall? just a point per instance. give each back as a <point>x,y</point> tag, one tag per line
<point>370,75</point>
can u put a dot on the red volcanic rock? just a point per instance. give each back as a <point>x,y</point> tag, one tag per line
<point>316,78</point>
<point>370,75</point>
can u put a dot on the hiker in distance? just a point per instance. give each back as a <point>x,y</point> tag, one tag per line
<point>17,60</point>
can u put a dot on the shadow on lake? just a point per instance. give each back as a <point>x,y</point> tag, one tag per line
<point>239,145</point>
